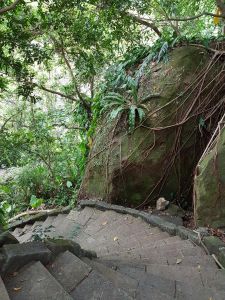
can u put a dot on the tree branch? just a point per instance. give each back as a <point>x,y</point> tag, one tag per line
<point>144,22</point>
<point>68,127</point>
<point>10,7</point>
<point>193,17</point>
<point>60,49</point>
<point>56,93</point>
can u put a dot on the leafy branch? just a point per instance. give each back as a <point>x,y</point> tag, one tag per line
<point>9,7</point>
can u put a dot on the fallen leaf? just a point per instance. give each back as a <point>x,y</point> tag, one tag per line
<point>16,289</point>
<point>115,239</point>
<point>179,260</point>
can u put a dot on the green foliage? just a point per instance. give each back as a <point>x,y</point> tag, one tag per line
<point>63,64</point>
<point>117,104</point>
<point>35,202</point>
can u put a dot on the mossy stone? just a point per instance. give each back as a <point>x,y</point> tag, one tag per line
<point>127,168</point>
<point>209,187</point>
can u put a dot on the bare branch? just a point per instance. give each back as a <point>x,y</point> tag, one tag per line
<point>10,7</point>
<point>61,50</point>
<point>56,92</point>
<point>68,127</point>
<point>5,123</point>
<point>144,22</point>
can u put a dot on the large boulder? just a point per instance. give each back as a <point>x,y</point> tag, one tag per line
<point>209,186</point>
<point>159,157</point>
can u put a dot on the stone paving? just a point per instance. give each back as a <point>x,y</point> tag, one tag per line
<point>134,261</point>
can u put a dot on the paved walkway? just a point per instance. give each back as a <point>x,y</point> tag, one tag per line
<point>134,261</point>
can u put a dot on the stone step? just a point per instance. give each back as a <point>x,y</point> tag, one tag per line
<point>194,261</point>
<point>33,233</point>
<point>96,286</point>
<point>18,255</point>
<point>89,242</point>
<point>36,283</point>
<point>155,246</point>
<point>187,291</point>
<point>59,219</point>
<point>176,289</point>
<point>17,232</point>
<point>57,222</point>
<point>154,254</point>
<point>133,244</point>
<point>108,238</point>
<point>149,286</point>
<point>69,229</point>
<point>109,232</point>
<point>26,228</point>
<point>119,280</point>
<point>84,216</point>
<point>47,224</point>
<point>69,270</point>
<point>125,224</point>
<point>105,218</point>
<point>202,277</point>
<point>3,292</point>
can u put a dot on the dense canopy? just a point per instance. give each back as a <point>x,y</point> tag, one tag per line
<point>58,60</point>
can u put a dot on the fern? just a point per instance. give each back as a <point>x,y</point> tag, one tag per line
<point>2,218</point>
<point>116,104</point>
<point>163,51</point>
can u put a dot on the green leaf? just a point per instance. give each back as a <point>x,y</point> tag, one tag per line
<point>69,184</point>
<point>5,189</point>
<point>141,114</point>
<point>132,115</point>
<point>116,112</point>
<point>201,122</point>
<point>35,202</point>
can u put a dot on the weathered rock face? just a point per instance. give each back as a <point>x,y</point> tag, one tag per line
<point>209,187</point>
<point>151,162</point>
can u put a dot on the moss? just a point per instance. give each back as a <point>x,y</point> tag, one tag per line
<point>210,188</point>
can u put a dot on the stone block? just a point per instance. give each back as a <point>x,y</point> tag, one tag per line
<point>18,255</point>
<point>7,238</point>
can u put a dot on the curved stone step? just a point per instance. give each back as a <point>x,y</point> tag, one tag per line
<point>154,254</point>
<point>180,246</point>
<point>194,261</point>
<point>148,285</point>
<point>203,277</point>
<point>3,292</point>
<point>188,290</point>
<point>119,280</point>
<point>119,246</point>
<point>18,255</point>
<point>36,283</point>
<point>69,270</point>
<point>84,216</point>
<point>96,286</point>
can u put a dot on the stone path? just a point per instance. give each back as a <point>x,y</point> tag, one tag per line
<point>134,261</point>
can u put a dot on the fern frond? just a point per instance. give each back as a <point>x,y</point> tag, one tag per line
<point>141,114</point>
<point>163,51</point>
<point>113,96</point>
<point>114,113</point>
<point>132,117</point>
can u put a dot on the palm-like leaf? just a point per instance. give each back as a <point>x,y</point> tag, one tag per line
<point>114,113</point>
<point>132,116</point>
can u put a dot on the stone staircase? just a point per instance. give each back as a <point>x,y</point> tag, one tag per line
<point>134,261</point>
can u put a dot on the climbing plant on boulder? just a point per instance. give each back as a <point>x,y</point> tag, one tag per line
<point>159,157</point>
